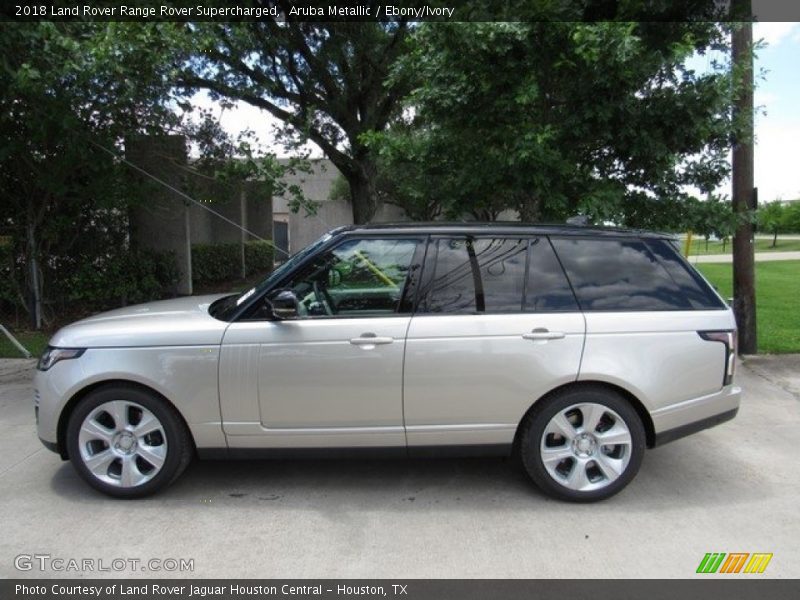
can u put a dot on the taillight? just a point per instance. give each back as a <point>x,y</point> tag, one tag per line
<point>727,337</point>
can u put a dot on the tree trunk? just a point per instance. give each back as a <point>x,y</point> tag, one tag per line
<point>35,287</point>
<point>775,238</point>
<point>363,191</point>
<point>529,209</point>
<point>744,284</point>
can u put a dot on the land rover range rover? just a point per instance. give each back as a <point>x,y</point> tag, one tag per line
<point>573,348</point>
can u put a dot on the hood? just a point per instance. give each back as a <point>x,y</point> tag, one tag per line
<point>177,322</point>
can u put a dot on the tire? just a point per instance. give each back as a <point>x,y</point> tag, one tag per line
<point>127,442</point>
<point>561,445</point>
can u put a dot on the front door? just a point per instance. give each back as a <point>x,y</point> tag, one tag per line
<point>332,377</point>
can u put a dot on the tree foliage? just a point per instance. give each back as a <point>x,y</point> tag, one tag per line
<point>70,95</point>
<point>62,90</point>
<point>553,119</point>
<point>779,217</point>
<point>327,82</point>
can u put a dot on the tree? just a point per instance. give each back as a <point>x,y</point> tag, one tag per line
<point>326,82</point>
<point>712,216</point>
<point>553,119</point>
<point>790,221</point>
<point>70,94</point>
<point>61,92</point>
<point>770,219</point>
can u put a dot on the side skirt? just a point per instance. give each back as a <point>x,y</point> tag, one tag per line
<point>360,453</point>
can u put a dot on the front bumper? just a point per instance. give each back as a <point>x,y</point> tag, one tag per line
<point>685,418</point>
<point>52,446</point>
<point>51,391</point>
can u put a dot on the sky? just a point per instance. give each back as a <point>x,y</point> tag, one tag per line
<point>777,124</point>
<point>777,166</point>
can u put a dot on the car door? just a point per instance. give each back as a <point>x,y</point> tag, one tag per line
<point>496,328</point>
<point>332,376</point>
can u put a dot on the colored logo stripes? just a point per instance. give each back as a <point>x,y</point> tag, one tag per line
<point>735,562</point>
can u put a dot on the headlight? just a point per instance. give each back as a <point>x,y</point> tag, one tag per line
<point>52,355</point>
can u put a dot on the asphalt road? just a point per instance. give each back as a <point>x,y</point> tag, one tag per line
<point>730,489</point>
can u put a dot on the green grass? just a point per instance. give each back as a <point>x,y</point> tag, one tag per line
<point>777,293</point>
<point>762,245</point>
<point>34,341</point>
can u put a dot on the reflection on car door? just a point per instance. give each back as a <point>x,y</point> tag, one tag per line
<point>496,328</point>
<point>332,377</point>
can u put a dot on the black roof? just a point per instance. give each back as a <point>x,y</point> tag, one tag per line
<point>501,227</point>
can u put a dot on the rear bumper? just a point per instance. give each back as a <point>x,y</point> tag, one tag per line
<point>685,418</point>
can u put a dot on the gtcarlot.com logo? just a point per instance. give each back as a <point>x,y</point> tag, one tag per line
<point>48,562</point>
<point>734,562</point>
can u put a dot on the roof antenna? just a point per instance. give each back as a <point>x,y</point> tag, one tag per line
<point>579,220</point>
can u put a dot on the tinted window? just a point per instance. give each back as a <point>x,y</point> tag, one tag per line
<point>618,274</point>
<point>547,289</point>
<point>489,275</point>
<point>691,285</point>
<point>359,277</point>
<point>452,287</point>
<point>501,263</point>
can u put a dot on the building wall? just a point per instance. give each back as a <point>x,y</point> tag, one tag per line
<point>317,185</point>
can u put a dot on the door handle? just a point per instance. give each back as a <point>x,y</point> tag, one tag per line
<point>370,340</point>
<point>540,333</point>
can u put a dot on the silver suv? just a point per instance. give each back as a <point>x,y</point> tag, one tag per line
<point>572,348</point>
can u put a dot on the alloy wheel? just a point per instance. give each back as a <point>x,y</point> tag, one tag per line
<point>122,443</point>
<point>586,447</point>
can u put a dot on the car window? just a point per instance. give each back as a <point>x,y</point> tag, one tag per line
<point>501,262</point>
<point>547,288</point>
<point>452,288</point>
<point>496,275</point>
<point>359,277</point>
<point>691,284</point>
<point>618,274</point>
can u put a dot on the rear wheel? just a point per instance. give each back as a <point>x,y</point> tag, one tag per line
<point>127,442</point>
<point>582,445</point>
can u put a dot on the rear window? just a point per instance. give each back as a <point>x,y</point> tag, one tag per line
<point>626,275</point>
<point>699,293</point>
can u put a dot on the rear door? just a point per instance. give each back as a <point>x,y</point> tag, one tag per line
<point>644,309</point>
<point>496,327</point>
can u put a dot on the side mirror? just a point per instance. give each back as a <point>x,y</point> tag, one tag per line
<point>284,305</point>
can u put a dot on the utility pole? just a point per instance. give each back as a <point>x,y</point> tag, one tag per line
<point>744,280</point>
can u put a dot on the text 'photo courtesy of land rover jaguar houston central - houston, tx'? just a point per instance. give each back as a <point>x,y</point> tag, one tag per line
<point>572,348</point>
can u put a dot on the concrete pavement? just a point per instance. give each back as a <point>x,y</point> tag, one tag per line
<point>758,256</point>
<point>734,488</point>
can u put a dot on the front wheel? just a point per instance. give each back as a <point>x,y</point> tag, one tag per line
<point>582,445</point>
<point>127,442</point>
